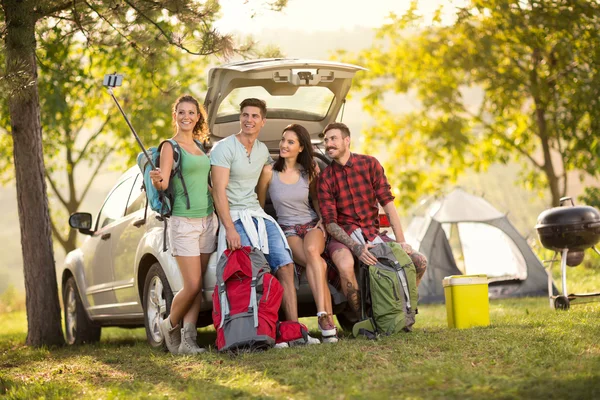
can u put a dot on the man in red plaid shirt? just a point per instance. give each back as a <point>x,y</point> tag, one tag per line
<point>349,191</point>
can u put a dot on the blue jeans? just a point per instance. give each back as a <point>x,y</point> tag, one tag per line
<point>278,255</point>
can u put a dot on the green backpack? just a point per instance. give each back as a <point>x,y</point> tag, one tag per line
<point>388,293</point>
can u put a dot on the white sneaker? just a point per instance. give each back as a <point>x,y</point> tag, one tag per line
<point>312,340</point>
<point>330,339</point>
<point>281,345</point>
<point>328,329</point>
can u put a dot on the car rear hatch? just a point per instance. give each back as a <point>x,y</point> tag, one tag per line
<point>306,92</point>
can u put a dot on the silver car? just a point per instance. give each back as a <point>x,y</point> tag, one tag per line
<point>120,276</point>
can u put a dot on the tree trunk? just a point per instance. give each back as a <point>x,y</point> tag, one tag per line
<point>540,116</point>
<point>43,310</point>
<point>548,167</point>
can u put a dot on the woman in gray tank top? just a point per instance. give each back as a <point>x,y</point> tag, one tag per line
<point>291,184</point>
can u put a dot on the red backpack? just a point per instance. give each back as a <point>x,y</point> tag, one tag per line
<point>246,301</point>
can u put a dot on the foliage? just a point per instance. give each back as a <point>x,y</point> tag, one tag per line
<point>507,80</point>
<point>149,27</point>
<point>591,197</point>
<point>82,128</point>
<point>530,351</point>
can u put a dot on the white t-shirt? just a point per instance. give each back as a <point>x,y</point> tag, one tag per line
<point>244,170</point>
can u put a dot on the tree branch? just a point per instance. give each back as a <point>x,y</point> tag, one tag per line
<point>117,30</point>
<point>91,139</point>
<point>93,176</point>
<point>77,21</point>
<point>55,190</point>
<point>169,38</point>
<point>504,138</point>
<point>42,12</point>
<point>56,233</point>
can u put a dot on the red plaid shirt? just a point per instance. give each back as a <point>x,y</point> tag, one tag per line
<point>348,194</point>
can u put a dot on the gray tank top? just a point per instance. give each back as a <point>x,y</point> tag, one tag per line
<point>291,201</point>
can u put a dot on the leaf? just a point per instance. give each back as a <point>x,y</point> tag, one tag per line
<point>503,82</point>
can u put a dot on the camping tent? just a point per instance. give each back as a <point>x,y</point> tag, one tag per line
<point>464,234</point>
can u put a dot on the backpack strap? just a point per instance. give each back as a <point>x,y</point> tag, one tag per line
<point>224,303</point>
<point>200,145</point>
<point>145,208</point>
<point>258,262</point>
<point>203,149</point>
<point>176,153</point>
<point>363,282</point>
<point>253,305</point>
<point>367,333</point>
<point>404,281</point>
<point>176,171</point>
<point>185,191</point>
<point>403,260</point>
<point>223,300</point>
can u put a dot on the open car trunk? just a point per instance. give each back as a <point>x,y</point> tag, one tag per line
<point>307,92</point>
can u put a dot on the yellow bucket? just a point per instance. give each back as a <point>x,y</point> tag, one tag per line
<point>467,302</point>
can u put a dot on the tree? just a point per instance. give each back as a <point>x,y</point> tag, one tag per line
<point>82,128</point>
<point>508,80</point>
<point>147,26</point>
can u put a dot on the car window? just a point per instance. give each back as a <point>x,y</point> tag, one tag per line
<point>309,103</point>
<point>114,205</point>
<point>137,198</point>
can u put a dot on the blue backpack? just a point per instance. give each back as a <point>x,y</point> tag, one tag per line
<point>162,201</point>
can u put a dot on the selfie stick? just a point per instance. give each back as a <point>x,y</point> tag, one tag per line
<point>110,91</point>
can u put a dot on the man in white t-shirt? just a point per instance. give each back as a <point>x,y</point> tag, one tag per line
<point>237,162</point>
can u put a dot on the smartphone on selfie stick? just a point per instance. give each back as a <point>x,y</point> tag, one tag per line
<point>112,81</point>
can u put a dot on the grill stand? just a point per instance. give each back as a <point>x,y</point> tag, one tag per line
<point>563,301</point>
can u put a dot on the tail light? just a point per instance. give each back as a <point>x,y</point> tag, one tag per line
<point>384,221</point>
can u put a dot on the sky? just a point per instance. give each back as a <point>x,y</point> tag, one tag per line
<point>318,15</point>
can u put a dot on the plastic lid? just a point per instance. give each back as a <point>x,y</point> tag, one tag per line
<point>456,280</point>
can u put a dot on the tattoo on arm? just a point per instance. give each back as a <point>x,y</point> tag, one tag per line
<point>341,236</point>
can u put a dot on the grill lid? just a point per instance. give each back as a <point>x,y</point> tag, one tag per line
<point>574,228</point>
<point>565,216</point>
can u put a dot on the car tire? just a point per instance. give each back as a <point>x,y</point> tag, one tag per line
<point>158,297</point>
<point>79,329</point>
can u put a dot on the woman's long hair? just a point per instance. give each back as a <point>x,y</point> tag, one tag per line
<point>200,130</point>
<point>305,157</point>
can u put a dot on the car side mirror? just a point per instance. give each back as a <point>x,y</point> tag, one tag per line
<point>82,222</point>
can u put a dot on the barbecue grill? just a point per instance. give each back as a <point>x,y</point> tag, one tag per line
<point>568,230</point>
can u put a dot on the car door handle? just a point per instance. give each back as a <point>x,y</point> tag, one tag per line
<point>139,222</point>
<point>106,236</point>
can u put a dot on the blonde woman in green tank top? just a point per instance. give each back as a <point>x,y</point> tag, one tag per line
<point>192,230</point>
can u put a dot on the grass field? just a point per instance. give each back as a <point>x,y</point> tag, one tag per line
<point>529,351</point>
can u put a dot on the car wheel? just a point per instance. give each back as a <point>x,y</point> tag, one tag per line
<point>78,327</point>
<point>347,319</point>
<point>158,297</point>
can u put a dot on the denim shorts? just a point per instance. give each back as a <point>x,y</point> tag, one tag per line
<point>278,255</point>
<point>300,230</point>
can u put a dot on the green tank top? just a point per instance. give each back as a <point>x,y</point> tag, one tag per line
<point>195,170</point>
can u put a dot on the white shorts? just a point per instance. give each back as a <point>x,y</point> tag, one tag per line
<point>190,237</point>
